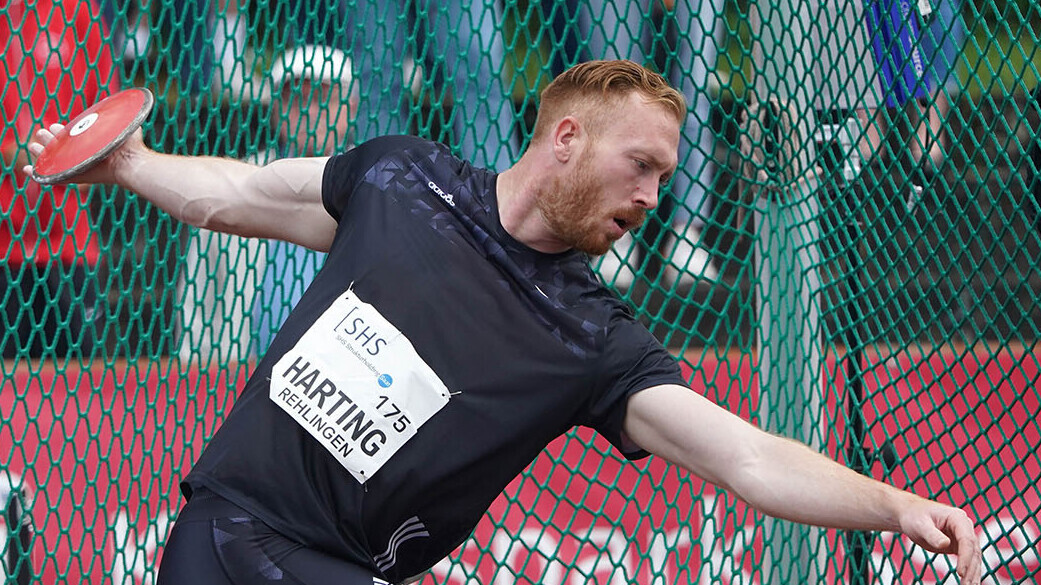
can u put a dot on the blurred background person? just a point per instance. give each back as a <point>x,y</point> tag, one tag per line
<point>459,45</point>
<point>565,38</point>
<point>682,40</point>
<point>943,39</point>
<point>313,102</point>
<point>55,65</point>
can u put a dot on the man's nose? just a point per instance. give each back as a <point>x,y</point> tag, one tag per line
<point>647,195</point>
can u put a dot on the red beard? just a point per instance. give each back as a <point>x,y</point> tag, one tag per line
<point>573,209</point>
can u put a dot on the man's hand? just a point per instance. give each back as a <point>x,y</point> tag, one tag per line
<point>945,530</point>
<point>104,171</point>
<point>18,159</point>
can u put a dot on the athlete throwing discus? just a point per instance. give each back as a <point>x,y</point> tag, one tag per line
<point>454,331</point>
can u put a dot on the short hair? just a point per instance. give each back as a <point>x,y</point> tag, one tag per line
<point>582,89</point>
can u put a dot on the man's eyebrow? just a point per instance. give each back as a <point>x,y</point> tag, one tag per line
<point>660,163</point>
<point>649,156</point>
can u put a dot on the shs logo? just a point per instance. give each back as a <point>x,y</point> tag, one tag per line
<point>353,326</point>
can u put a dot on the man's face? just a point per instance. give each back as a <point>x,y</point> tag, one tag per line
<point>317,118</point>
<point>614,179</point>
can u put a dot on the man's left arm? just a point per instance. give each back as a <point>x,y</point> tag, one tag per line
<point>787,479</point>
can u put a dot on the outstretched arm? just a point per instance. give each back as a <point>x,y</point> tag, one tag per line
<point>282,200</point>
<point>787,479</point>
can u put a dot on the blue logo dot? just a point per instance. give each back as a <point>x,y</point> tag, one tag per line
<point>385,380</point>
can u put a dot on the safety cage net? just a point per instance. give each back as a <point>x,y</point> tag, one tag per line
<point>848,254</point>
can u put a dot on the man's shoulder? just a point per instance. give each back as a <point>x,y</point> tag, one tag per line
<point>357,161</point>
<point>392,152</point>
<point>383,145</point>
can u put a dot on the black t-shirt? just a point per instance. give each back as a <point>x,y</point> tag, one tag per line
<point>528,344</point>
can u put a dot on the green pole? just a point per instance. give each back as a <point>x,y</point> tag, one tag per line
<point>810,57</point>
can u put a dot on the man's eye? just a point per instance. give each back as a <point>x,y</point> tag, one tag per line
<point>643,166</point>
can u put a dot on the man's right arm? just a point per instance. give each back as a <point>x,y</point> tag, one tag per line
<point>282,200</point>
<point>787,479</point>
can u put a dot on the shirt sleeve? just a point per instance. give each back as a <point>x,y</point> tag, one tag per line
<point>633,360</point>
<point>338,182</point>
<point>345,171</point>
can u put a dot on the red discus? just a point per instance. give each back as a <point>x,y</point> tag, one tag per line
<point>93,135</point>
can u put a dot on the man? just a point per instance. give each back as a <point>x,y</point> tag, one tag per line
<point>455,329</point>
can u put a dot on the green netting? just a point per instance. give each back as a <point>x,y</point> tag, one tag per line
<point>848,254</point>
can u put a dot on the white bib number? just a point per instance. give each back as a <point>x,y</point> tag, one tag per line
<point>357,385</point>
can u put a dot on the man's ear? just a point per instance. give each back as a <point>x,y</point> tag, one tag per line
<point>566,135</point>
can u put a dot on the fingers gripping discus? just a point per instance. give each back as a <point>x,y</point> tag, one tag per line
<point>93,135</point>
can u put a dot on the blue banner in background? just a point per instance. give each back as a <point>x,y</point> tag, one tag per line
<point>893,30</point>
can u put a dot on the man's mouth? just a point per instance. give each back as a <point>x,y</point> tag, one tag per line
<point>631,220</point>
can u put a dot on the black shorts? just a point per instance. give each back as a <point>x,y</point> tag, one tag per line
<point>217,543</point>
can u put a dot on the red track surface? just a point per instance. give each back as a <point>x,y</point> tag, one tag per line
<point>100,453</point>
